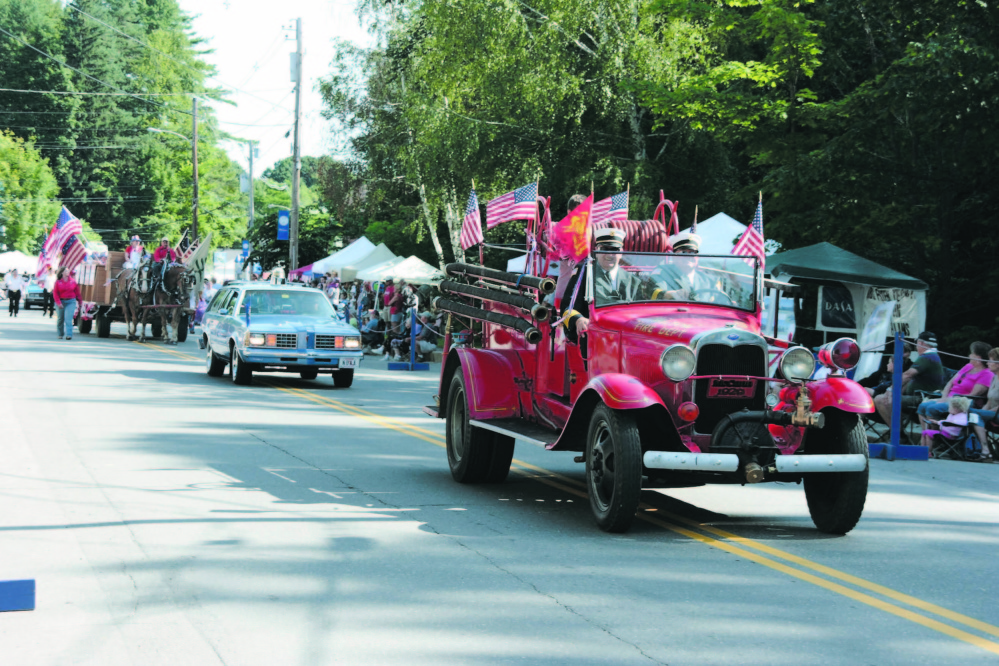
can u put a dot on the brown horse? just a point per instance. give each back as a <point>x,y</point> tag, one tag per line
<point>131,299</point>
<point>170,298</point>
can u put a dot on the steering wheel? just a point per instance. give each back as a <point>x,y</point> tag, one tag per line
<point>698,295</point>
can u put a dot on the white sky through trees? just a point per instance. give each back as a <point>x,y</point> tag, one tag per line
<point>251,52</point>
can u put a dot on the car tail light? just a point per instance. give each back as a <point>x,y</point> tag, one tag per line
<point>688,411</point>
<point>843,354</point>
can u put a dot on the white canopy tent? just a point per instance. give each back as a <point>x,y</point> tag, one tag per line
<point>719,234</point>
<point>354,252</point>
<point>410,269</point>
<point>379,272</point>
<point>18,260</point>
<point>379,255</point>
<point>516,265</point>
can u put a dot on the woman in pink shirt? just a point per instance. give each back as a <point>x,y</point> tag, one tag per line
<point>971,380</point>
<point>66,294</point>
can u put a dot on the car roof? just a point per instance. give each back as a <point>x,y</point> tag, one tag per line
<point>267,286</point>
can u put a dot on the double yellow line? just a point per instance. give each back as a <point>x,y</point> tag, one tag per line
<point>750,549</point>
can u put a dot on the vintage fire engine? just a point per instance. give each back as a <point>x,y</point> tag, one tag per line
<point>659,393</point>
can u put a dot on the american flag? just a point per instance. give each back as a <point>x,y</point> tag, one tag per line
<point>471,228</point>
<point>44,261</point>
<point>73,252</point>
<point>611,209</point>
<point>67,226</point>
<point>521,204</point>
<point>751,243</point>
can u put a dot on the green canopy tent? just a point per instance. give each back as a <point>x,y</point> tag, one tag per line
<point>841,291</point>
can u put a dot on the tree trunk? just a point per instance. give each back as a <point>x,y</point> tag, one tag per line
<point>454,223</point>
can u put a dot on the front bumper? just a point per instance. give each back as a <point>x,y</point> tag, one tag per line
<point>729,462</point>
<point>299,358</point>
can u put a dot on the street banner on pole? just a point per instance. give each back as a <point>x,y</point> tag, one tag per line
<point>284,223</point>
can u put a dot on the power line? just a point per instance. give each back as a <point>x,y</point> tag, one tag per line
<point>107,94</point>
<point>167,55</point>
<point>94,78</point>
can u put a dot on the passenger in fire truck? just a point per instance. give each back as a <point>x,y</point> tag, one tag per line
<point>610,282</point>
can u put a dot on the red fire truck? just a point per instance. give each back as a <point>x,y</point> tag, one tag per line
<point>662,391</point>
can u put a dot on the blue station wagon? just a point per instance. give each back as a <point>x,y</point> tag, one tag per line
<point>260,327</point>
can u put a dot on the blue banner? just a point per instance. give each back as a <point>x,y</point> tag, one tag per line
<point>284,222</point>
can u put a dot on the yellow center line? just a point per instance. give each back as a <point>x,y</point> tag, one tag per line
<point>573,487</point>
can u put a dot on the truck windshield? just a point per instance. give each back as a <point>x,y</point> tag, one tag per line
<point>297,302</point>
<point>635,278</point>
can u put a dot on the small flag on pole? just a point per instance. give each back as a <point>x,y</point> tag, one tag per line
<point>520,204</point>
<point>751,243</point>
<point>611,209</point>
<point>471,228</point>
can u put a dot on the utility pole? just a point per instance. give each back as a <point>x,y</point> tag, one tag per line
<point>296,72</point>
<point>194,159</point>
<point>250,145</point>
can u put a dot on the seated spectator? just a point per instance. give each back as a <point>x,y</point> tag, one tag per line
<point>971,380</point>
<point>426,337</point>
<point>372,333</point>
<point>987,414</point>
<point>926,374</point>
<point>957,411</point>
<point>878,383</point>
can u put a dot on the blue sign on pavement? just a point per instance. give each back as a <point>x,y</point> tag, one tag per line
<point>284,222</point>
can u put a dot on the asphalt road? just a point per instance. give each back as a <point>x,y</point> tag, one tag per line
<point>173,518</point>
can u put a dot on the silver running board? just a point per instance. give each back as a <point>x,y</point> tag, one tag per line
<point>519,430</point>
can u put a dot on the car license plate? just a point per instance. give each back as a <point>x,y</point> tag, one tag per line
<point>348,362</point>
<point>732,388</point>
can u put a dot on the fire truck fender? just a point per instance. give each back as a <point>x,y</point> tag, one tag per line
<point>840,393</point>
<point>489,380</point>
<point>620,392</point>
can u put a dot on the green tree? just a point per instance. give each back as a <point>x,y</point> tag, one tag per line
<point>28,207</point>
<point>281,171</point>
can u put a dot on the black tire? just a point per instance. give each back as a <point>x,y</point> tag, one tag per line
<point>182,328</point>
<point>343,378</point>
<point>27,306</point>
<point>157,327</point>
<point>613,468</point>
<point>214,366</point>
<point>469,450</point>
<point>836,500</point>
<point>239,371</point>
<point>310,373</point>
<point>499,461</point>
<point>85,326</point>
<point>103,326</point>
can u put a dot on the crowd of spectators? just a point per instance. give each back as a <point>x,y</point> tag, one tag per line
<point>939,399</point>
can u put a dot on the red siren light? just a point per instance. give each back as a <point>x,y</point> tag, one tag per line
<point>843,354</point>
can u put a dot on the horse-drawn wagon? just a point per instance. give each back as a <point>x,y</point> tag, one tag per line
<point>110,292</point>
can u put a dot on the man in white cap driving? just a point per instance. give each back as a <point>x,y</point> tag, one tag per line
<point>681,277</point>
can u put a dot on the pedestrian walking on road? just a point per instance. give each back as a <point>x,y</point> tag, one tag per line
<point>14,284</point>
<point>66,295</point>
<point>47,281</point>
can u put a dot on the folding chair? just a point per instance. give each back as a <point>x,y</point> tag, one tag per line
<point>956,447</point>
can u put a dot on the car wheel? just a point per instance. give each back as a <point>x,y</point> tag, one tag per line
<point>214,365</point>
<point>343,378</point>
<point>613,468</point>
<point>27,306</point>
<point>239,371</point>
<point>836,499</point>
<point>182,329</point>
<point>310,373</point>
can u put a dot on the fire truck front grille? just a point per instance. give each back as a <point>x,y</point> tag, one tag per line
<point>723,360</point>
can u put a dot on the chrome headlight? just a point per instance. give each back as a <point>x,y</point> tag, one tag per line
<point>352,342</point>
<point>677,362</point>
<point>255,339</point>
<point>797,364</point>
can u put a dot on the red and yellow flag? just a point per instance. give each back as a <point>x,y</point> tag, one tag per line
<point>571,234</point>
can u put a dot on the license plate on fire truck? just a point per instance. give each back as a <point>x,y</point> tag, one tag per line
<point>731,387</point>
